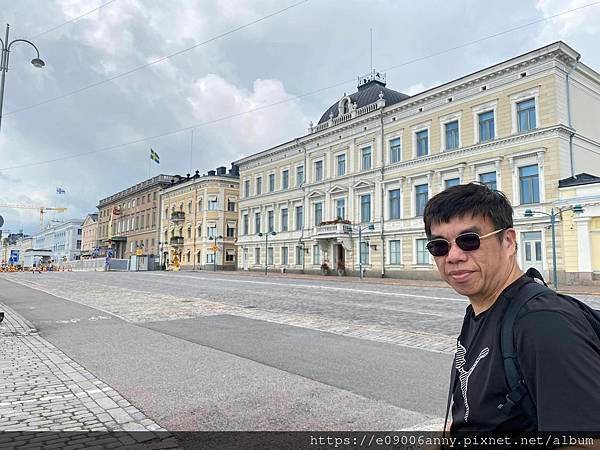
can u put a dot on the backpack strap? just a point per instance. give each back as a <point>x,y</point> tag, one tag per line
<point>518,395</point>
<point>453,380</point>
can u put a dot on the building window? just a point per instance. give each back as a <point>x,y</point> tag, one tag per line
<point>270,256</point>
<point>212,231</point>
<point>299,217</point>
<point>318,213</point>
<point>212,204</point>
<point>230,231</point>
<point>452,141</point>
<point>78,245</point>
<point>341,165</point>
<point>364,252</point>
<point>257,222</point>
<point>245,224</point>
<point>394,196</point>
<point>395,252</point>
<point>488,179</point>
<point>246,190</point>
<point>231,205</point>
<point>189,232</point>
<point>257,255</point>
<point>285,179</point>
<point>451,182</point>
<point>365,208</point>
<point>529,184</point>
<point>299,176</point>
<point>190,207</point>
<point>422,252</point>
<point>366,158</point>
<point>299,255</point>
<point>486,126</point>
<point>272,182</point>
<point>284,256</point>
<point>318,171</point>
<point>340,208</point>
<point>270,221</point>
<point>199,257</point>
<point>421,197</point>
<point>210,258</point>
<point>284,219</point>
<point>316,255</point>
<point>422,138</point>
<point>200,205</point>
<point>526,115</point>
<point>395,149</point>
<point>259,186</point>
<point>229,255</point>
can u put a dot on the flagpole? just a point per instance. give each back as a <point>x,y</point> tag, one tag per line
<point>149,164</point>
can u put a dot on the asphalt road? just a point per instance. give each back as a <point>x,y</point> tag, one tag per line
<point>148,336</point>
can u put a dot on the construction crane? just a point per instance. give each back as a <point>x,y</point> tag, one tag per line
<point>41,209</point>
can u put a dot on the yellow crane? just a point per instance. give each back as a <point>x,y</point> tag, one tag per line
<point>41,209</point>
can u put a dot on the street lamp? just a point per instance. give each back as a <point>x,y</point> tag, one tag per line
<point>369,227</point>
<point>215,248</point>
<point>6,45</point>
<point>266,235</point>
<point>577,209</point>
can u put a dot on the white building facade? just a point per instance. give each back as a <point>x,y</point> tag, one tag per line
<point>376,157</point>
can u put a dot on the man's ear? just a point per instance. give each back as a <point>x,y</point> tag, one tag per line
<point>509,240</point>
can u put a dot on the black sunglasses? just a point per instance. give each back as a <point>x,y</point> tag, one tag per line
<point>466,242</point>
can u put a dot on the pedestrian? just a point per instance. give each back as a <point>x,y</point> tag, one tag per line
<point>471,237</point>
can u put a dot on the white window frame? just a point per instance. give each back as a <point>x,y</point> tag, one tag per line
<point>416,129</point>
<point>388,188</point>
<point>369,252</point>
<point>518,98</point>
<point>415,181</point>
<point>479,109</point>
<point>528,158</point>
<point>394,239</point>
<point>268,190</point>
<point>296,167</point>
<point>316,254</point>
<point>389,148</point>
<point>281,183</point>
<point>488,165</point>
<point>362,151</point>
<point>322,161</point>
<point>415,259</point>
<point>448,118</point>
<point>335,158</point>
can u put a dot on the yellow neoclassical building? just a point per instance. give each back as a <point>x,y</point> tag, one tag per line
<point>198,221</point>
<point>351,192</point>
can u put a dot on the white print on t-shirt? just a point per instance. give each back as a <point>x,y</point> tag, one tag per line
<point>463,374</point>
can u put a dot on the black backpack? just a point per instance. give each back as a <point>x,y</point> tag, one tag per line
<point>519,395</point>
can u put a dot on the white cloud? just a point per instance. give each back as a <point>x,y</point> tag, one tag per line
<point>568,26</point>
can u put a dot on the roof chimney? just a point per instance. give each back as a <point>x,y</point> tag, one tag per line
<point>211,173</point>
<point>221,170</point>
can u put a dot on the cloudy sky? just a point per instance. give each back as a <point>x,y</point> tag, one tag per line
<point>281,59</point>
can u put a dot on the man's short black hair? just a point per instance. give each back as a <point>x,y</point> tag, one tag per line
<point>473,199</point>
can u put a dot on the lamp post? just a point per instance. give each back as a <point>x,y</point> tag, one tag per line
<point>215,249</point>
<point>266,235</point>
<point>369,227</point>
<point>554,212</point>
<point>6,45</point>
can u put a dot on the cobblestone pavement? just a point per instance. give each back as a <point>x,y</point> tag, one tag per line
<point>42,389</point>
<point>426,317</point>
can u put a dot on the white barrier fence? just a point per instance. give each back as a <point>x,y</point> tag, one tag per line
<point>98,264</point>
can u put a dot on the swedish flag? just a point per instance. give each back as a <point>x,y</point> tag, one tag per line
<point>154,156</point>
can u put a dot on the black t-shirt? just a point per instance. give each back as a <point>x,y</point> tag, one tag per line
<point>559,356</point>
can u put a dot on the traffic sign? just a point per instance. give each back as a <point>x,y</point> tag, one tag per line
<point>139,252</point>
<point>214,248</point>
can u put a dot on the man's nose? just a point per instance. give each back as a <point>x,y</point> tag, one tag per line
<point>456,254</point>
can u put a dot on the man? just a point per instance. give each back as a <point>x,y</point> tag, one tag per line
<point>471,236</point>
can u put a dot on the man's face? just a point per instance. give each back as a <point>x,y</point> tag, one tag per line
<point>478,273</point>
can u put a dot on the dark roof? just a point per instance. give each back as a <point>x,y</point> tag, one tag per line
<point>578,180</point>
<point>367,93</point>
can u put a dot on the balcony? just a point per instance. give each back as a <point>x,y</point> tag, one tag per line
<point>176,241</point>
<point>177,216</point>
<point>332,230</point>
